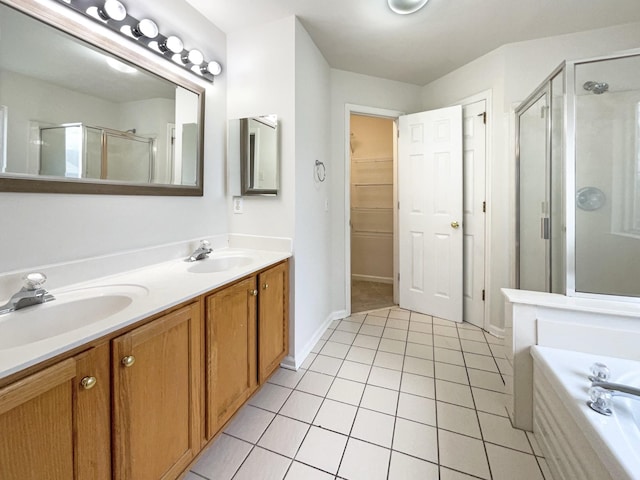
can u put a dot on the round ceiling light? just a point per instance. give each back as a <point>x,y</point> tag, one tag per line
<point>113,9</point>
<point>213,67</point>
<point>172,44</point>
<point>194,56</point>
<point>404,7</point>
<point>145,28</point>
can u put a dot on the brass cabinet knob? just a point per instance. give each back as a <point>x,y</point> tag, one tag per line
<point>88,382</point>
<point>253,292</point>
<point>265,286</point>
<point>128,361</point>
<point>455,224</point>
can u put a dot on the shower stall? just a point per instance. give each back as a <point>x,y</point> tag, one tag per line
<point>578,180</point>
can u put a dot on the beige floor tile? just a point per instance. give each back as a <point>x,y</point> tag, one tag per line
<point>446,355</point>
<point>486,380</point>
<point>420,327</point>
<point>380,399</point>
<point>544,467</point>
<point>396,323</point>
<point>420,351</point>
<point>534,444</point>
<point>366,341</point>
<point>340,336</point>
<point>394,333</point>
<point>356,317</point>
<point>308,361</point>
<point>490,401</point>
<point>451,373</point>
<point>284,436</point>
<point>361,355</point>
<point>315,383</point>
<point>346,326</point>
<point>418,366</point>
<point>421,317</point>
<point>399,313</point>
<point>392,346</point>
<point>363,461</point>
<point>417,409</point>
<point>372,330</point>
<point>445,331</point>
<point>334,324</point>
<point>384,377</point>
<point>346,391</point>
<point>493,339</point>
<point>475,335</point>
<point>318,346</point>
<point>335,349</point>
<point>327,333</point>
<point>223,458</point>
<point>250,423</point>
<point>322,449</point>
<point>446,342</point>
<point>498,430</point>
<point>270,397</point>
<point>358,372</point>
<point>404,467</point>
<point>442,321</point>
<point>458,419</point>
<point>299,471</point>
<point>507,464</point>
<point>374,427</point>
<point>416,439</point>
<point>388,360</point>
<point>480,348</point>
<point>497,350</point>
<point>383,313</point>
<point>287,378</point>
<point>474,459</point>
<point>418,385</point>
<point>448,474</point>
<point>455,393</point>
<point>504,366</point>
<point>375,321</point>
<point>301,406</point>
<point>263,465</point>
<point>336,416</point>
<point>326,365</point>
<point>419,337</point>
<point>467,326</point>
<point>480,362</point>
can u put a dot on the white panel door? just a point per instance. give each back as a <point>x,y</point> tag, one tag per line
<point>430,219</point>
<point>474,160</point>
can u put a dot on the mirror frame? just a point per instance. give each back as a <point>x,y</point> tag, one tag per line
<point>245,183</point>
<point>105,39</point>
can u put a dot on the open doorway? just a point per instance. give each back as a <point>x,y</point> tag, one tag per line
<point>372,147</point>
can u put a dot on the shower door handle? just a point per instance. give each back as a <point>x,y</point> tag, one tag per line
<point>545,228</point>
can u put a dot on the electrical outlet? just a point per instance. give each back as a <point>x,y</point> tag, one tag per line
<point>237,204</point>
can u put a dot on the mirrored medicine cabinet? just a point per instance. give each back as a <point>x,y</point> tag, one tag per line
<point>82,113</point>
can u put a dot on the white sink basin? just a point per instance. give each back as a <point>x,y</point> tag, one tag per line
<point>71,310</point>
<point>220,263</point>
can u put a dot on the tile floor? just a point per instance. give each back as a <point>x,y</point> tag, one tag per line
<point>388,395</point>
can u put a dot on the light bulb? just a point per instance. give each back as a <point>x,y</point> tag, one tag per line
<point>213,67</point>
<point>112,9</point>
<point>194,56</point>
<point>145,28</point>
<point>404,7</point>
<point>172,44</point>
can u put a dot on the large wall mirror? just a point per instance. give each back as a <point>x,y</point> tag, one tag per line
<point>75,118</point>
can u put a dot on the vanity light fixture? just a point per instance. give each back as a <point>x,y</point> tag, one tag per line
<point>404,7</point>
<point>145,28</point>
<point>113,15</point>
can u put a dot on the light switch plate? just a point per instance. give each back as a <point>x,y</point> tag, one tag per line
<point>237,204</point>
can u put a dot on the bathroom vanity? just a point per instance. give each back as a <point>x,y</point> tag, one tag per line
<point>141,399</point>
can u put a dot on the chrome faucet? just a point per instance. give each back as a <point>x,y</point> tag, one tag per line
<point>32,293</point>
<point>602,391</point>
<point>201,252</point>
<point>618,389</point>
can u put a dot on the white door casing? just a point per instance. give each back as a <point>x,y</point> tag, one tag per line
<point>430,212</point>
<point>474,220</point>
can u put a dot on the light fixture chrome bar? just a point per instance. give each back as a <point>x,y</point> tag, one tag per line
<point>113,14</point>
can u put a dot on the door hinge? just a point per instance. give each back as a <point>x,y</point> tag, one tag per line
<point>484,117</point>
<point>484,207</point>
<point>483,294</point>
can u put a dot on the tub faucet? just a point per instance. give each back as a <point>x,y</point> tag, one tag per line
<point>618,389</point>
<point>201,252</point>
<point>32,293</point>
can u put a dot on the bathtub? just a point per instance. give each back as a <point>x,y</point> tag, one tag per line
<point>577,442</point>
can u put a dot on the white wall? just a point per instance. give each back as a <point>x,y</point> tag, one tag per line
<point>363,90</point>
<point>312,242</point>
<point>46,228</point>
<point>512,72</point>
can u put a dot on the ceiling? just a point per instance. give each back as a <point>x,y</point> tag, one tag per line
<point>364,36</point>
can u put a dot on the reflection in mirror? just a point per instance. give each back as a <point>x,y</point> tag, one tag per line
<point>72,115</point>
<point>259,155</point>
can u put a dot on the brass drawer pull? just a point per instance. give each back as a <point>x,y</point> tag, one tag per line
<point>265,286</point>
<point>253,292</point>
<point>88,382</point>
<point>128,361</point>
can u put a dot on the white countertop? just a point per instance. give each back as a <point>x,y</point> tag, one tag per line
<point>164,285</point>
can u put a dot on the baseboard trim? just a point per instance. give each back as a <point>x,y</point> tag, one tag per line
<point>496,332</point>
<point>371,278</point>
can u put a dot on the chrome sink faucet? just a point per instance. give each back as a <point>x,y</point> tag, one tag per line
<point>201,252</point>
<point>32,293</point>
<point>602,391</point>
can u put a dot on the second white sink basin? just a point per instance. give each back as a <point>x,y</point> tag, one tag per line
<point>220,263</point>
<point>70,310</point>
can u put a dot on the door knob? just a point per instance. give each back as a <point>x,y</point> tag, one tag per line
<point>88,382</point>
<point>455,224</point>
<point>128,361</point>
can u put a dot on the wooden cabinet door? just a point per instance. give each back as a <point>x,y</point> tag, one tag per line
<point>53,427</point>
<point>231,351</point>
<point>273,321</point>
<point>156,387</point>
